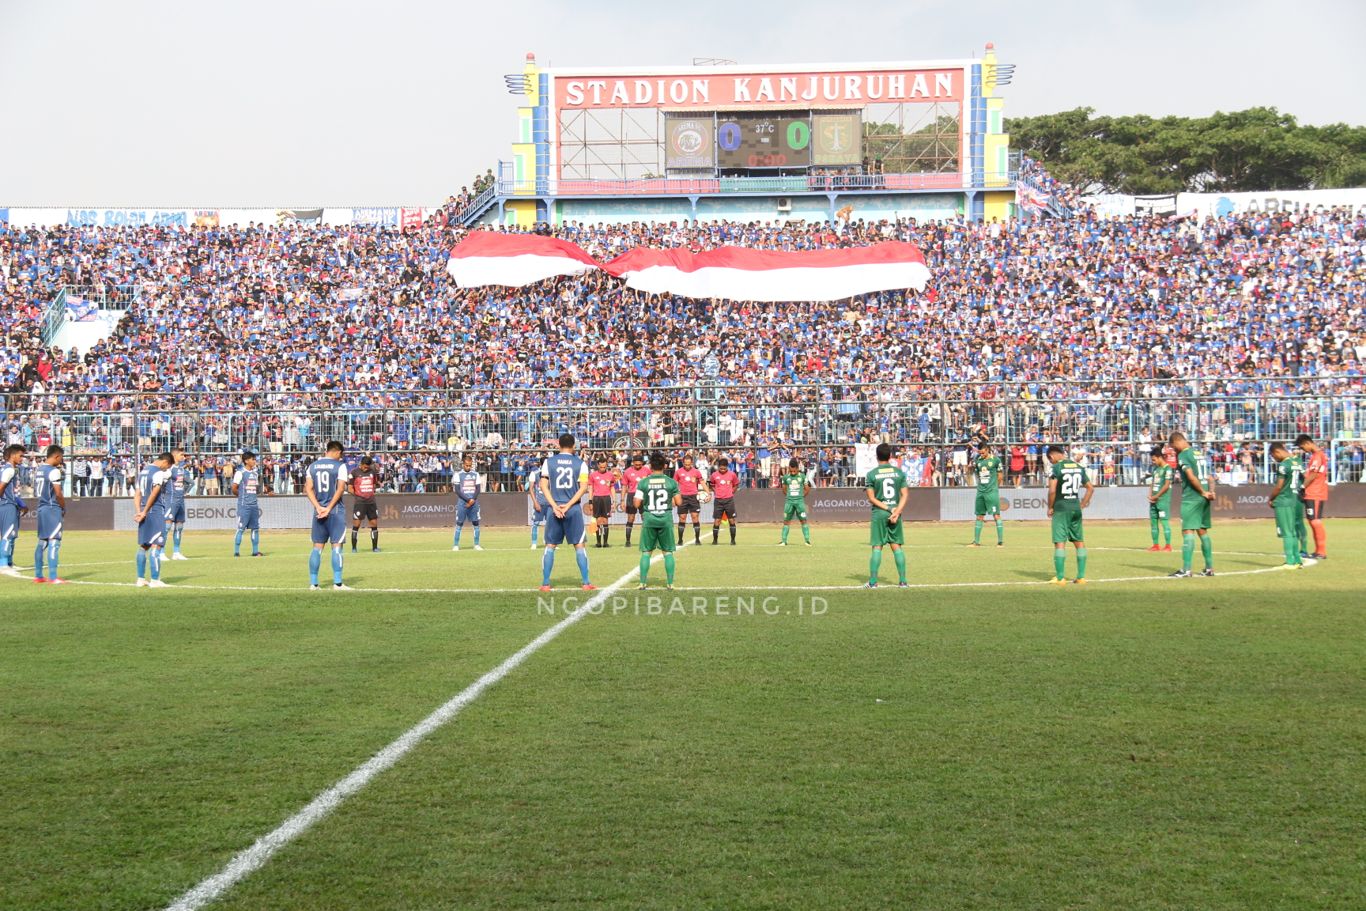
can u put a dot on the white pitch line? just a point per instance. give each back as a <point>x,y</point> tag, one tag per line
<point>694,588</point>
<point>265,847</point>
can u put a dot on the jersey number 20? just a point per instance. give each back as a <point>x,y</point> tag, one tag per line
<point>1071,484</point>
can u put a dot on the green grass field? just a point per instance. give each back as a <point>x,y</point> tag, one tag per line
<point>982,740</point>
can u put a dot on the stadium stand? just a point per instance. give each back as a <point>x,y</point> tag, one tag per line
<point>246,333</point>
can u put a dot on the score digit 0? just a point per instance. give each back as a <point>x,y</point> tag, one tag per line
<point>728,136</point>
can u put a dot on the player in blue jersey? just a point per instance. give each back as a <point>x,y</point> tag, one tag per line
<point>11,507</point>
<point>246,487</point>
<point>466,484</point>
<point>325,481</point>
<point>540,508</point>
<point>180,483</point>
<point>47,490</point>
<point>151,510</point>
<point>564,482</point>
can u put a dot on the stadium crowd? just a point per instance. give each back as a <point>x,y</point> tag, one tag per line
<point>1088,327</point>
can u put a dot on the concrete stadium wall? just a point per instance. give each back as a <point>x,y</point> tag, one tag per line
<point>825,504</point>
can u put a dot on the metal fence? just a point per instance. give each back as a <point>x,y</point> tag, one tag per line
<point>1116,422</point>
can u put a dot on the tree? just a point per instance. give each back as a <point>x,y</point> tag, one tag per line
<point>1256,149</point>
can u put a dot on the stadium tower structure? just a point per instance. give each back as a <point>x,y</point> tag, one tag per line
<point>756,143</point>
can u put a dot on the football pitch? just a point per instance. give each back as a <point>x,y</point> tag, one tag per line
<point>764,736</point>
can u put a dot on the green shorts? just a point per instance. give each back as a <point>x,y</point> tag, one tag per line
<point>1195,511</point>
<point>880,533</point>
<point>656,537</point>
<point>1157,510</point>
<point>794,509</point>
<point>1288,520</point>
<point>1067,526</point>
<point>987,504</point>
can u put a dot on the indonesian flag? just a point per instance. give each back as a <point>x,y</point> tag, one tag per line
<point>730,273</point>
<point>514,260</point>
<point>735,273</point>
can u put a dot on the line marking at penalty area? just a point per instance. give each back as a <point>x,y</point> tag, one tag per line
<point>261,851</point>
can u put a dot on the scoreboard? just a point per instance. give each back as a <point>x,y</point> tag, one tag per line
<point>761,140</point>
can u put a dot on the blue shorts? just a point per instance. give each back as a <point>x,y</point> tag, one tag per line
<point>331,530</point>
<point>9,520</point>
<point>249,517</point>
<point>177,514</point>
<point>49,523</point>
<point>569,529</point>
<point>152,530</point>
<point>465,513</point>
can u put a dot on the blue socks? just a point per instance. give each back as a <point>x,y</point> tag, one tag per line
<point>54,547</point>
<point>237,544</point>
<point>142,562</point>
<point>533,534</point>
<point>176,535</point>
<point>315,562</point>
<point>38,560</point>
<point>548,563</point>
<point>458,529</point>
<point>476,534</point>
<point>255,541</point>
<point>337,565</point>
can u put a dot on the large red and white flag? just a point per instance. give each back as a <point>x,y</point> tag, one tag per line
<point>735,273</point>
<point>730,273</point>
<point>514,260</point>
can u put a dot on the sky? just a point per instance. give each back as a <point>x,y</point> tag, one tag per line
<point>400,102</point>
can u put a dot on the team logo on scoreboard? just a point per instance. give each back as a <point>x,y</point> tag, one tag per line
<point>836,139</point>
<point>691,143</point>
<point>688,138</point>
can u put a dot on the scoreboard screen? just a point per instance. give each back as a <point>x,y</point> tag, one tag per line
<point>761,140</point>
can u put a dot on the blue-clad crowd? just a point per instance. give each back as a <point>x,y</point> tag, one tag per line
<point>1024,306</point>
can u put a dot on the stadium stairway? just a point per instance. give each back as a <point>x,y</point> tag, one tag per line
<point>84,335</point>
<point>481,204</point>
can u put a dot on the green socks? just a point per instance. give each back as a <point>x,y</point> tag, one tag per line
<point>644,568</point>
<point>669,568</point>
<point>1081,563</point>
<point>1000,532</point>
<point>784,534</point>
<point>900,557</point>
<point>874,564</point>
<point>1059,562</point>
<point>1187,552</point>
<point>1292,549</point>
<point>1152,526</point>
<point>977,532</point>
<point>1166,532</point>
<point>1207,551</point>
<point>806,532</point>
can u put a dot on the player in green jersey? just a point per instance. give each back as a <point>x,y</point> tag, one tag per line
<point>1285,503</point>
<point>990,474</point>
<point>1197,504</point>
<point>1160,499</point>
<point>1069,493</point>
<point>1300,525</point>
<point>655,496</point>
<point>887,492</point>
<point>795,487</point>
